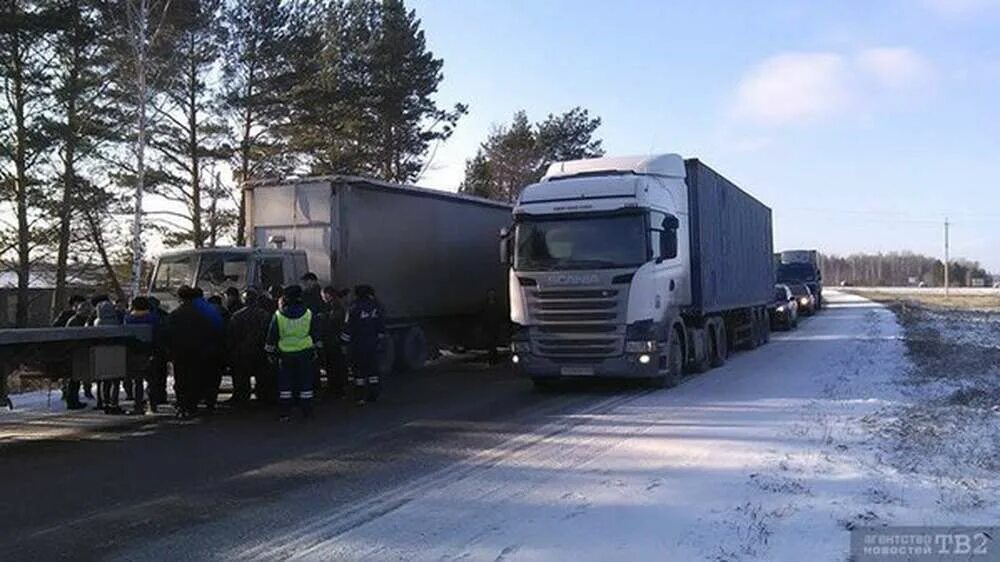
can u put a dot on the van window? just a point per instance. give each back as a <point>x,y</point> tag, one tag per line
<point>173,272</point>
<point>272,273</point>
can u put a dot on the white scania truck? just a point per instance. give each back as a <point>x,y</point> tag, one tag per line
<point>635,267</point>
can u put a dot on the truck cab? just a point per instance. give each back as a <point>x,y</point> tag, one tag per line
<point>599,268</point>
<point>216,269</point>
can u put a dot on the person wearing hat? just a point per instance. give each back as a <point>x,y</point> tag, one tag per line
<point>292,342</point>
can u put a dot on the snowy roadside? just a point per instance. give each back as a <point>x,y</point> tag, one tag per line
<point>773,456</point>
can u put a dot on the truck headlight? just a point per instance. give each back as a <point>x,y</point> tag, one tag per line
<point>781,308</point>
<point>644,346</point>
<point>520,347</point>
<point>803,301</point>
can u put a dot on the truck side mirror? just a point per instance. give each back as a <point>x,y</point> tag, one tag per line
<point>668,244</point>
<point>668,238</point>
<point>505,245</point>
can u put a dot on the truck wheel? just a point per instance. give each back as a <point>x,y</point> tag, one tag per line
<point>753,339</point>
<point>717,344</point>
<point>411,349</point>
<point>386,357</point>
<point>765,327</point>
<point>704,363</point>
<point>675,364</point>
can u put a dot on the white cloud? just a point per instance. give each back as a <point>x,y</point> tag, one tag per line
<point>794,87</point>
<point>803,87</point>
<point>894,67</point>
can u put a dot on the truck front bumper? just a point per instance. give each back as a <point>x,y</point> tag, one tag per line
<point>626,366</point>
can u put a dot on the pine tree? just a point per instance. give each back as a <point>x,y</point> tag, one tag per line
<point>263,38</point>
<point>24,25</point>
<point>189,133</point>
<point>373,94</point>
<point>516,155</point>
<point>83,120</point>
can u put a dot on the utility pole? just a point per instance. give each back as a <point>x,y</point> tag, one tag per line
<point>946,260</point>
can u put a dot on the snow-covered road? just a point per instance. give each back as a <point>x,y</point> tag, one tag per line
<point>764,458</point>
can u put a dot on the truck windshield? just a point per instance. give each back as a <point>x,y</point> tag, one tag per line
<point>581,243</point>
<point>801,272</point>
<point>218,271</point>
<point>173,272</point>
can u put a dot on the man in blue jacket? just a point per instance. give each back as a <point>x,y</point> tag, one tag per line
<point>363,334</point>
<point>292,341</point>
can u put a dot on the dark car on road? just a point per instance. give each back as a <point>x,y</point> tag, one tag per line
<point>804,297</point>
<point>784,309</point>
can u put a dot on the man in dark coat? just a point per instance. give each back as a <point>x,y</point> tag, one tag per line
<point>333,326</point>
<point>245,340</point>
<point>212,309</point>
<point>312,297</point>
<point>157,382</point>
<point>190,341</point>
<point>363,334</point>
<point>76,314</point>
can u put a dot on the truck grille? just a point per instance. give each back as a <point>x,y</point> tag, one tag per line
<point>577,324</point>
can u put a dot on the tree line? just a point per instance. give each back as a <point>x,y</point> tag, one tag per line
<point>125,119</point>
<point>896,269</point>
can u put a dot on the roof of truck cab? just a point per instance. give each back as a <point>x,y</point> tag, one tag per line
<point>669,165</point>
<point>371,182</point>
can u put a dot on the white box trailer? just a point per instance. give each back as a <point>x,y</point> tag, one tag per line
<point>430,255</point>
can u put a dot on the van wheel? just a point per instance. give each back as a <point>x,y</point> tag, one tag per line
<point>717,344</point>
<point>411,349</point>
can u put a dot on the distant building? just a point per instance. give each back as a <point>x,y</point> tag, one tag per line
<point>41,292</point>
<point>977,282</point>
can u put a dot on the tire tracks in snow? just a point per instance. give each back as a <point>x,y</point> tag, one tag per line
<point>307,541</point>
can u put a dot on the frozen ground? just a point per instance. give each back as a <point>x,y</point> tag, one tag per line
<point>774,456</point>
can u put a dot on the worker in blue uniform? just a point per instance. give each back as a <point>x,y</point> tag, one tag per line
<point>363,335</point>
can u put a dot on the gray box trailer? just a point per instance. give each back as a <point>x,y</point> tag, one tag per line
<point>430,255</point>
<point>731,243</point>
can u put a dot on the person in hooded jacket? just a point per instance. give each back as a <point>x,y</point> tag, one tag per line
<point>141,313</point>
<point>245,340</point>
<point>292,341</point>
<point>106,314</point>
<point>363,335</point>
<point>157,380</point>
<point>78,315</point>
<point>190,344</point>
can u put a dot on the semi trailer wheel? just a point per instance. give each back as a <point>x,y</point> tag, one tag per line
<point>717,343</point>
<point>386,356</point>
<point>411,349</point>
<point>701,364</point>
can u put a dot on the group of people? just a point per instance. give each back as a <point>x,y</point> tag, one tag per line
<point>273,344</point>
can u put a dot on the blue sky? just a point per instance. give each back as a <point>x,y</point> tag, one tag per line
<point>863,124</point>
